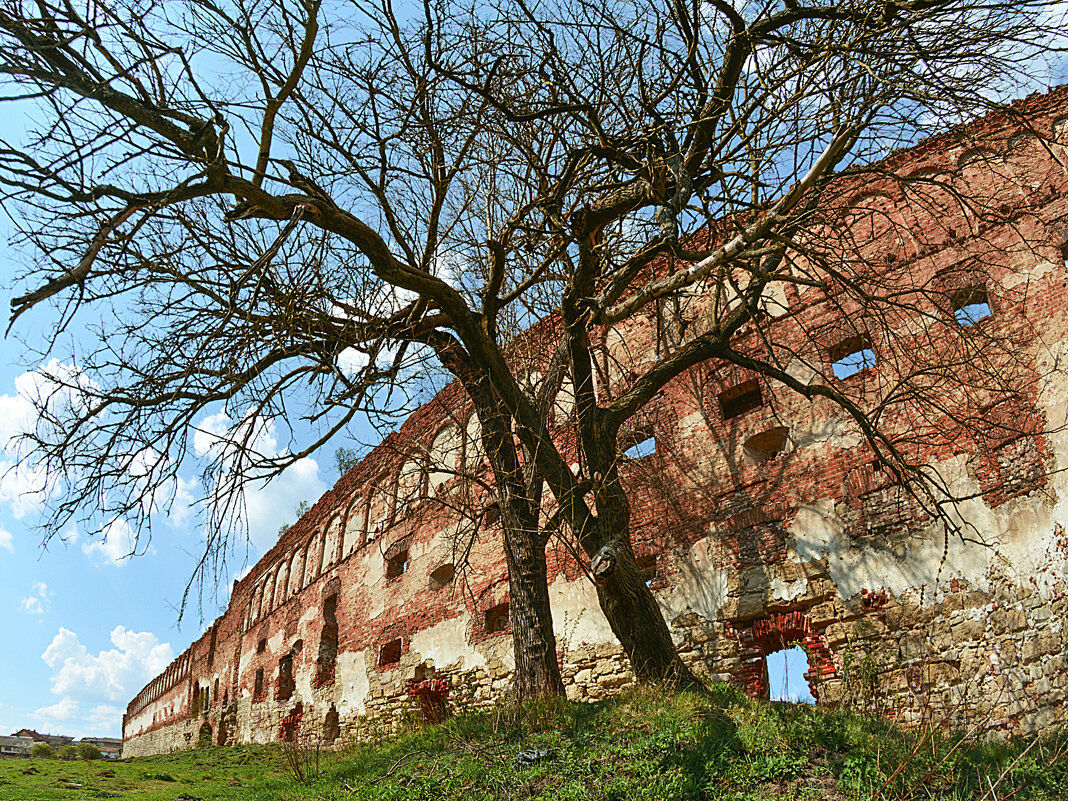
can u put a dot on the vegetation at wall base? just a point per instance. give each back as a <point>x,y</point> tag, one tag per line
<point>648,743</point>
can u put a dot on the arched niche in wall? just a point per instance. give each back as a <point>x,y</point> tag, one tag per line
<point>985,179</point>
<point>281,580</point>
<point>472,443</point>
<point>445,452</point>
<point>331,542</point>
<point>355,526</point>
<point>268,593</point>
<point>380,497</point>
<point>310,554</point>
<point>937,216</point>
<point>258,604</point>
<point>296,571</point>
<point>875,226</point>
<point>564,403</point>
<point>1059,130</point>
<point>409,484</point>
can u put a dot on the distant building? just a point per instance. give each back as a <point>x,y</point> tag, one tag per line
<point>110,747</point>
<point>15,747</point>
<point>54,740</point>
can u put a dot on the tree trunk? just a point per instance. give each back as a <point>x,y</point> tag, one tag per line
<point>638,623</point>
<point>537,671</point>
<point>627,603</point>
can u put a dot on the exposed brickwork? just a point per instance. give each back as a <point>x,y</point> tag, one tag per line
<point>753,539</point>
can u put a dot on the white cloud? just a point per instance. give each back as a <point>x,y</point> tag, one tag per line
<point>105,715</point>
<point>38,601</point>
<point>58,386</point>
<point>65,709</point>
<point>266,504</point>
<point>116,545</point>
<point>111,675</point>
<point>6,541</point>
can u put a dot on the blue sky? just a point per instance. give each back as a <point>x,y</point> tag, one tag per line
<point>85,626</point>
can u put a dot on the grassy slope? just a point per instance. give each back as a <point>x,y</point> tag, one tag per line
<point>647,744</point>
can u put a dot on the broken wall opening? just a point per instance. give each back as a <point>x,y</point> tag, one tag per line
<point>389,653</point>
<point>326,662</point>
<point>204,735</point>
<point>787,680</point>
<point>806,649</point>
<point>331,726</point>
<point>497,619</point>
<point>286,685</point>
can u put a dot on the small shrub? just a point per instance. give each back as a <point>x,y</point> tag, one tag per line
<point>88,751</point>
<point>68,752</point>
<point>300,758</point>
<point>42,751</point>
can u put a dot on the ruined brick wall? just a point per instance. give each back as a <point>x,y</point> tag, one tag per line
<point>760,518</point>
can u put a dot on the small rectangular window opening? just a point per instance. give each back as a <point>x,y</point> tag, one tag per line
<point>497,619</point>
<point>971,306</point>
<point>257,691</point>
<point>639,450</point>
<point>738,400</point>
<point>852,356</point>
<point>397,564</point>
<point>390,653</point>
<point>767,445</point>
<point>261,646</point>
<point>286,684</point>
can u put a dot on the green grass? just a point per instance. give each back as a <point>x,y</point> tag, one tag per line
<point>646,744</point>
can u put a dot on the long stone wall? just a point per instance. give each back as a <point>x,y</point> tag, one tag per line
<point>760,519</point>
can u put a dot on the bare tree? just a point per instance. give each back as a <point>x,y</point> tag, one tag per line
<point>278,207</point>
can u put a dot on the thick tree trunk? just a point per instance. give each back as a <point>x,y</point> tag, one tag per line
<point>537,671</point>
<point>638,623</point>
<point>627,603</point>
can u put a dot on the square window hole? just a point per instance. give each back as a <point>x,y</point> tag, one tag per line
<point>787,680</point>
<point>390,653</point>
<point>261,646</point>
<point>767,444</point>
<point>740,399</point>
<point>851,356</point>
<point>970,306</point>
<point>397,564</point>
<point>497,619</point>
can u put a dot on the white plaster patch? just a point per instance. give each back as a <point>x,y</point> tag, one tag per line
<point>577,616</point>
<point>355,685</point>
<point>800,370</point>
<point>813,529</point>
<point>445,643</point>
<point>1040,270</point>
<point>788,590</point>
<point>700,586</point>
<point>1016,541</point>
